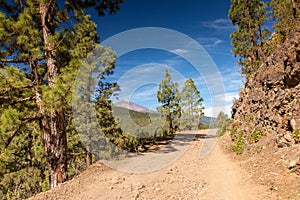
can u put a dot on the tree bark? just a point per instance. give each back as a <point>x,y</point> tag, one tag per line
<point>52,123</point>
<point>88,144</point>
<point>29,149</point>
<point>294,9</point>
<point>89,158</point>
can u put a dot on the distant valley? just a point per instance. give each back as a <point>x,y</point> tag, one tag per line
<point>141,109</point>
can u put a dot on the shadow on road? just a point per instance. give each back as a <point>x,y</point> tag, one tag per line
<point>163,154</point>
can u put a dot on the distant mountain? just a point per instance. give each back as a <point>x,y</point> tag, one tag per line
<point>208,120</point>
<point>138,108</point>
<point>133,106</point>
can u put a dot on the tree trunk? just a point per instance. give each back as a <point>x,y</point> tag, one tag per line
<point>29,149</point>
<point>88,148</point>
<point>89,158</point>
<point>294,9</point>
<point>170,123</point>
<point>53,123</point>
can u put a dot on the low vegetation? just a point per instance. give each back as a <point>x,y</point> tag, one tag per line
<point>44,43</point>
<point>265,53</point>
<point>239,145</point>
<point>256,135</point>
<point>222,122</point>
<point>296,135</point>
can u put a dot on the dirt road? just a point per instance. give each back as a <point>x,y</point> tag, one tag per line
<point>181,170</point>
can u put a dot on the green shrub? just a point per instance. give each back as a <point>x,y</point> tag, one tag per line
<point>233,134</point>
<point>202,126</point>
<point>239,145</point>
<point>296,135</point>
<point>223,129</point>
<point>256,135</point>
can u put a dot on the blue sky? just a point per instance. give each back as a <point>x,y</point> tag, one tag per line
<point>205,22</point>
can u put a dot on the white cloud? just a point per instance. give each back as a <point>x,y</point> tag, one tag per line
<point>214,111</point>
<point>227,98</point>
<point>172,62</point>
<point>232,79</point>
<point>218,41</point>
<point>222,24</point>
<point>230,96</point>
<point>145,93</point>
<point>180,51</point>
<point>212,44</point>
<point>209,41</point>
<point>141,76</point>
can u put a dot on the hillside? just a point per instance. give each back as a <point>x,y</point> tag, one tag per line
<point>267,113</point>
<point>141,118</point>
<point>207,120</point>
<point>140,113</point>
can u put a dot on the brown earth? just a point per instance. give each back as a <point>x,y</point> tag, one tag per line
<point>270,167</point>
<point>219,175</point>
<point>266,118</point>
<point>269,103</point>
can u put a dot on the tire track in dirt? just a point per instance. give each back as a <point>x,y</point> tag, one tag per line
<point>215,176</point>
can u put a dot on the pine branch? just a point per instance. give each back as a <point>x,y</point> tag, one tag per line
<point>13,60</point>
<point>11,137</point>
<point>14,101</point>
<point>19,60</point>
<point>76,154</point>
<point>22,100</point>
<point>32,118</point>
<point>15,132</point>
<point>15,88</point>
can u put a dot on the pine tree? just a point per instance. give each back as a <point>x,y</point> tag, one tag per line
<point>221,119</point>
<point>92,90</point>
<point>42,43</point>
<point>22,165</point>
<point>191,104</point>
<point>168,95</point>
<point>221,123</point>
<point>249,38</point>
<point>286,14</point>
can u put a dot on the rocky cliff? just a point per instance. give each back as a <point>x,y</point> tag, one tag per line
<point>268,107</point>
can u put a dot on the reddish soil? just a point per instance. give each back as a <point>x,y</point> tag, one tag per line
<point>219,175</point>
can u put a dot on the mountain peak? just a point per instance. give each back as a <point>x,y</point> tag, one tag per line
<point>125,103</point>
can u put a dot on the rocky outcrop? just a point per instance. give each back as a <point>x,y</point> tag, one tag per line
<point>269,104</point>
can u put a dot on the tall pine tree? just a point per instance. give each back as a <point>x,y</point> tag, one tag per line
<point>249,38</point>
<point>191,104</point>
<point>287,15</point>
<point>168,95</point>
<point>42,44</point>
<point>92,90</point>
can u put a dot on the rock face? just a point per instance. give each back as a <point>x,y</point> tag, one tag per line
<point>270,101</point>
